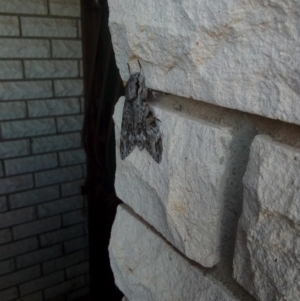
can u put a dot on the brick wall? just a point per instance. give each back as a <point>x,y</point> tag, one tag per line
<point>43,233</point>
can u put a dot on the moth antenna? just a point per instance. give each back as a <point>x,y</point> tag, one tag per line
<point>129,69</point>
<point>140,66</point>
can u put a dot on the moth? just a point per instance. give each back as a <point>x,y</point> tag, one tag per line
<point>139,125</point>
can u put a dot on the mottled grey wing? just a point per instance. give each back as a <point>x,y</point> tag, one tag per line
<point>139,122</point>
<point>127,139</point>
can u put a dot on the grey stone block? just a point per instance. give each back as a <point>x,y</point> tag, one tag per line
<point>9,294</point>
<point>48,27</point>
<point>69,8</point>
<point>54,143</point>
<point>3,204</point>
<point>19,276</point>
<point>25,90</point>
<point>19,247</point>
<point>65,174</point>
<point>5,236</point>
<point>24,48</point>
<point>9,26</point>
<point>79,29</point>
<point>66,49</point>
<point>35,196</point>
<point>77,270</point>
<point>52,107</point>
<point>15,217</point>
<point>11,70</point>
<point>12,110</point>
<point>78,293</point>
<point>76,244</point>
<point>39,256</point>
<point>68,87</point>
<point>30,164</point>
<point>72,157</point>
<point>64,287</point>
<point>61,235</point>
<point>14,184</point>
<point>38,296</point>
<point>51,69</point>
<point>70,123</point>
<point>27,128</point>
<point>41,283</point>
<point>37,7</point>
<point>71,188</point>
<point>15,148</point>
<point>7,266</point>
<point>60,206</point>
<point>37,227</point>
<point>74,217</point>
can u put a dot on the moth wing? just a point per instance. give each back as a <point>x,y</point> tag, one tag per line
<point>139,122</point>
<point>127,139</point>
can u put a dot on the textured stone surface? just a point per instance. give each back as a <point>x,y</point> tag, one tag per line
<point>51,69</point>
<point>5,236</point>
<point>25,90</point>
<point>65,8</point>
<point>3,204</point>
<point>9,26</point>
<point>15,148</point>
<point>74,217</point>
<point>1,170</point>
<point>13,184</point>
<point>76,244</point>
<point>184,194</point>
<point>68,87</point>
<point>38,296</point>
<point>20,7</point>
<point>266,258</point>
<point>24,48</point>
<point>27,128</point>
<point>11,70</point>
<point>238,54</point>
<point>12,110</point>
<point>69,123</point>
<point>66,49</point>
<point>48,27</point>
<point>145,267</point>
<point>72,188</point>
<point>72,157</point>
<point>7,266</point>
<point>15,217</point>
<point>9,294</point>
<point>77,270</point>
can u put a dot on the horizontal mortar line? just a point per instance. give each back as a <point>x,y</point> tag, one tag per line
<point>61,213</point>
<point>39,118</point>
<point>41,99</point>
<point>39,59</point>
<point>45,16</point>
<point>35,79</point>
<point>40,38</point>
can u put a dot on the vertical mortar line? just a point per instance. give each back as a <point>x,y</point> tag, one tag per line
<point>23,68</point>
<point>20,27</point>
<point>48,7</point>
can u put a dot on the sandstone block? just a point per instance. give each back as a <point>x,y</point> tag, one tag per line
<point>266,260</point>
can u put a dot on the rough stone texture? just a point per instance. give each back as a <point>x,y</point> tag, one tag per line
<point>12,110</point>
<point>14,184</point>
<point>15,148</point>
<point>69,123</point>
<point>5,236</point>
<point>3,204</point>
<point>48,27</point>
<point>72,188</point>
<point>38,7</point>
<point>51,69</point>
<point>9,26</point>
<point>11,70</point>
<point>66,49</point>
<point>68,87</point>
<point>72,157</point>
<point>24,48</point>
<point>183,196</point>
<point>145,267</point>
<point>25,90</point>
<point>266,258</point>
<point>74,217</point>
<point>65,8</point>
<point>238,54</point>
<point>9,294</point>
<point>6,267</point>
<point>15,217</point>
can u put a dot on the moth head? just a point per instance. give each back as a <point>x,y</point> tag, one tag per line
<point>132,87</point>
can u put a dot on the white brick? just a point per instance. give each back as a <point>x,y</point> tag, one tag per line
<point>41,283</point>
<point>65,174</point>
<point>24,48</point>
<point>48,27</point>
<point>51,69</point>
<point>35,196</point>
<point>11,70</point>
<point>70,123</point>
<point>64,287</point>
<point>27,128</point>
<point>74,217</point>
<point>38,7</point>
<point>76,244</point>
<point>66,49</point>
<point>19,276</point>
<point>17,217</point>
<point>38,296</point>
<point>39,256</point>
<point>72,157</point>
<point>52,107</point>
<point>60,206</point>
<point>36,227</point>
<point>7,266</point>
<point>68,87</point>
<point>65,8</point>
<point>12,110</point>
<point>30,164</point>
<point>3,204</point>
<point>5,236</point>
<point>19,247</point>
<point>9,294</point>
<point>54,143</point>
<point>61,235</point>
<point>72,188</point>
<point>9,26</point>
<point>14,184</point>
<point>25,90</point>
<point>79,293</point>
<point>63,262</point>
<point>16,148</point>
<point>77,270</point>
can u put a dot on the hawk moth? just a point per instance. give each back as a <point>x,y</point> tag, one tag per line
<point>139,125</point>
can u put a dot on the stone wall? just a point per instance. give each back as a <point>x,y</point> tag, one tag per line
<point>43,233</point>
<point>219,217</point>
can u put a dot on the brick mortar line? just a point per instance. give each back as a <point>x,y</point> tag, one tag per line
<point>42,99</point>
<point>40,80</point>
<point>42,16</point>
<point>39,59</point>
<point>40,38</point>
